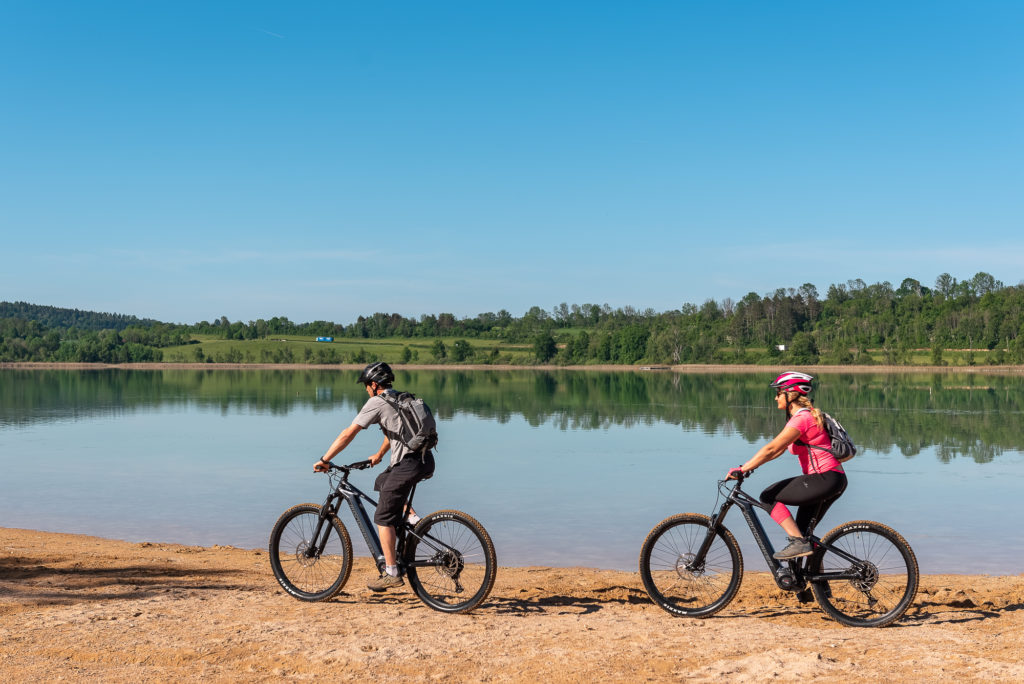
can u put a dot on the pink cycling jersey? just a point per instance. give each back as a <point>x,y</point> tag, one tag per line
<point>817,460</point>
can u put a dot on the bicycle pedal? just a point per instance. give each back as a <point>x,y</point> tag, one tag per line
<point>805,595</point>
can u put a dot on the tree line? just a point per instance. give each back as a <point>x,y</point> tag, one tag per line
<point>979,315</point>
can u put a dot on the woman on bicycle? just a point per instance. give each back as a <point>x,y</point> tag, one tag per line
<point>823,480</point>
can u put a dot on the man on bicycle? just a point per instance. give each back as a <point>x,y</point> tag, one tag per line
<point>407,467</point>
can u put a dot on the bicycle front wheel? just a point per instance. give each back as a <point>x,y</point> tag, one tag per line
<point>675,581</point>
<point>886,569</point>
<point>303,572</point>
<point>451,561</point>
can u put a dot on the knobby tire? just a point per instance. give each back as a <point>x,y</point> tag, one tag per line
<point>464,563</point>
<point>890,575</point>
<point>701,592</point>
<point>309,579</point>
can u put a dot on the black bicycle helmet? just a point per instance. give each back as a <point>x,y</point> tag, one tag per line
<point>378,372</point>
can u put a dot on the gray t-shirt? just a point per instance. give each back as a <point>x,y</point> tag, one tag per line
<point>376,411</point>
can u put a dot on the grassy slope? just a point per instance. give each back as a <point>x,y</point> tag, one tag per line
<point>254,351</point>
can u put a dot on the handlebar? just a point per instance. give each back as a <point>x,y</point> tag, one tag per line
<point>358,465</point>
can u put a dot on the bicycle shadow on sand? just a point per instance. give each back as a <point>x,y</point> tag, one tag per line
<point>26,581</point>
<point>919,614</point>
<point>538,604</point>
<point>956,612</point>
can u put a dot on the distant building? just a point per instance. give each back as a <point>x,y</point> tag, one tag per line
<point>780,347</point>
<point>325,339</point>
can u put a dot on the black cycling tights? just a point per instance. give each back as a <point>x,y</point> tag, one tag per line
<point>813,493</point>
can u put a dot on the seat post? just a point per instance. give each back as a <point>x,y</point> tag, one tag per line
<point>408,501</point>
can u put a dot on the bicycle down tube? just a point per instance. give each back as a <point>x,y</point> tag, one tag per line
<point>747,504</point>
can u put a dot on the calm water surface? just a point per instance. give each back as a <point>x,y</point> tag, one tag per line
<point>563,468</point>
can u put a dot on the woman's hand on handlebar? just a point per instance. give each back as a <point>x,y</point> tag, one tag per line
<point>321,466</point>
<point>735,474</point>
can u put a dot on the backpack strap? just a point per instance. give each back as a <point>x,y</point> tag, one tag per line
<point>393,403</point>
<point>802,443</point>
<point>390,397</point>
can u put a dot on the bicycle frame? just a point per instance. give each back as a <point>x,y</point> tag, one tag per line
<point>355,498</point>
<point>789,575</point>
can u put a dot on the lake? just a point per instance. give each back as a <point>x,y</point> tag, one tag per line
<point>563,468</point>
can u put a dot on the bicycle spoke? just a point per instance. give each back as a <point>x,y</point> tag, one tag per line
<point>678,581</point>
<point>300,571</point>
<point>886,573</point>
<point>452,562</point>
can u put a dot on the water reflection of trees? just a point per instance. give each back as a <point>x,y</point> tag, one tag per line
<point>959,415</point>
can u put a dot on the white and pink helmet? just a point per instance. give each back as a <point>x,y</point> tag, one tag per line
<point>792,381</point>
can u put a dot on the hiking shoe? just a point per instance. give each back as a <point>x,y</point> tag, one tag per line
<point>385,582</point>
<point>798,546</point>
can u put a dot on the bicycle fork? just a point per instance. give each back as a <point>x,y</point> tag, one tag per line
<point>318,542</point>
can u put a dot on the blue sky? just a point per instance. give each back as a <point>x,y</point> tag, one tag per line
<point>186,160</point>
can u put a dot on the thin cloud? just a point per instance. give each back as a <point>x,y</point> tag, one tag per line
<point>178,257</point>
<point>269,33</point>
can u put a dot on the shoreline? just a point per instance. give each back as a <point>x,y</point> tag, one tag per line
<point>24,531</point>
<point>80,607</point>
<point>679,369</point>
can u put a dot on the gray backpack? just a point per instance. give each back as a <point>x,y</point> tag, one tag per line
<point>417,420</point>
<point>842,446</point>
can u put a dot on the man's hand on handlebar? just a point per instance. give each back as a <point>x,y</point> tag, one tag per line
<point>323,466</point>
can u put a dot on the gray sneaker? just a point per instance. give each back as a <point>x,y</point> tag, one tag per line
<point>385,582</point>
<point>798,546</point>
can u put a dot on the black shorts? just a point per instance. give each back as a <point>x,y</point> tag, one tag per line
<point>394,485</point>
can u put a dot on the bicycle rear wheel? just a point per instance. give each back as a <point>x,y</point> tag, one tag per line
<point>887,569</point>
<point>451,563</point>
<point>698,592</point>
<point>304,576</point>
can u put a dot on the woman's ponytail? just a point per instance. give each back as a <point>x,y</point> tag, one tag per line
<point>804,402</point>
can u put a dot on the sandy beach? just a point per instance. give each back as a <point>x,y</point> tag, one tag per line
<point>75,607</point>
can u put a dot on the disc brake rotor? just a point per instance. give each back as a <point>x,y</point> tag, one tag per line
<point>301,555</point>
<point>682,569</point>
<point>868,576</point>
<point>449,564</point>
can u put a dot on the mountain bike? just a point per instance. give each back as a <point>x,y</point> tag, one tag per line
<point>447,556</point>
<point>861,573</point>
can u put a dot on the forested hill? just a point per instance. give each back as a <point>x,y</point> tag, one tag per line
<point>55,317</point>
<point>978,320</point>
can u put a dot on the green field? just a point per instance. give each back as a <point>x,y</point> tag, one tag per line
<point>300,349</point>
